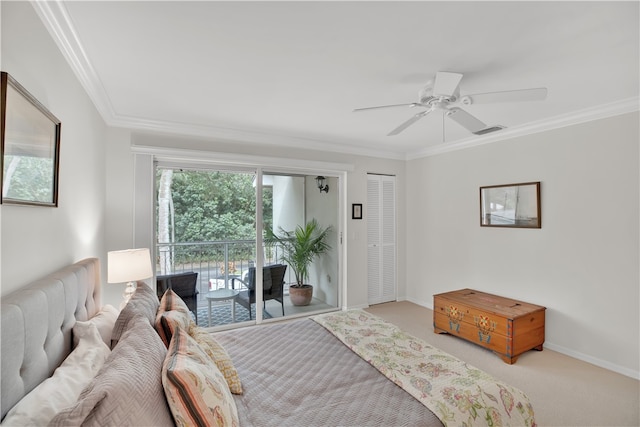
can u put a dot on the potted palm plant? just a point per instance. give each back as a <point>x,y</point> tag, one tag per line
<point>300,247</point>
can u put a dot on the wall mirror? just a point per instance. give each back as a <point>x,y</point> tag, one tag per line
<point>30,144</point>
<point>512,205</point>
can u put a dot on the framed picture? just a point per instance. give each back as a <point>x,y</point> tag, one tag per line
<point>513,205</point>
<point>356,211</point>
<point>30,145</point>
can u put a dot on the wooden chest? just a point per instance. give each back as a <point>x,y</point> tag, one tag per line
<point>505,326</point>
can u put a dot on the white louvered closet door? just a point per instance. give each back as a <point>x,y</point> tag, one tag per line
<point>381,238</point>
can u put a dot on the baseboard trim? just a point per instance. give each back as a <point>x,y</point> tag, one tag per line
<point>593,360</point>
<point>566,351</point>
<point>425,304</point>
<point>356,307</point>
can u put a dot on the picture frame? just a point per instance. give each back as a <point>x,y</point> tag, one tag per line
<point>356,211</point>
<point>511,205</point>
<point>30,148</point>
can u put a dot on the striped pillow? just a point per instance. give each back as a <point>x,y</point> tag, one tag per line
<point>171,302</point>
<point>169,321</point>
<point>196,390</point>
<point>219,355</point>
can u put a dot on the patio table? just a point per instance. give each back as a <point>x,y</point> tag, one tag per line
<point>223,295</point>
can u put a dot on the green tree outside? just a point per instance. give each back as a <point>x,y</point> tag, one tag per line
<point>214,206</point>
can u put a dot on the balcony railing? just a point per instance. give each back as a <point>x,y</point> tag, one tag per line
<point>216,262</point>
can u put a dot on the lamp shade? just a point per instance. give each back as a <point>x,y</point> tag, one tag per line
<point>129,265</point>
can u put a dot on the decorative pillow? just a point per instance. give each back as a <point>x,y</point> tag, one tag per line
<point>171,302</point>
<point>196,390</point>
<point>219,355</point>
<point>144,302</point>
<point>104,320</point>
<point>169,321</point>
<point>128,389</point>
<point>67,382</point>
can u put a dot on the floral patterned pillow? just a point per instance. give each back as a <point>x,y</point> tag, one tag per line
<point>219,355</point>
<point>196,390</point>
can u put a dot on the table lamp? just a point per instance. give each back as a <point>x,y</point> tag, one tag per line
<point>129,266</point>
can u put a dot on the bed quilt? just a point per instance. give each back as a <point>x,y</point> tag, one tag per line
<point>459,394</point>
<point>298,374</point>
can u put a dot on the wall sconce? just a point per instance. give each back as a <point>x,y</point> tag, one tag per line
<point>321,186</point>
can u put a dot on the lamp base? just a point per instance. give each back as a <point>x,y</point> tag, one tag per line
<point>128,293</point>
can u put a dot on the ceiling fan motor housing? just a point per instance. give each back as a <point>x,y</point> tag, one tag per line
<point>427,97</point>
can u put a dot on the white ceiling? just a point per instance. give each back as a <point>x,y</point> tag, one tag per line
<point>291,73</point>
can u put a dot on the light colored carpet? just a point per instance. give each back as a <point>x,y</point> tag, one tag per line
<point>564,391</point>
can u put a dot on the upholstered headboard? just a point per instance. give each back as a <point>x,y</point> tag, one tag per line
<point>36,326</point>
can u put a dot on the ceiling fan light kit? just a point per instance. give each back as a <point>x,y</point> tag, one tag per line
<point>443,94</point>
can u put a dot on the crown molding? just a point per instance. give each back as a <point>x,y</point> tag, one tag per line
<point>56,19</point>
<point>617,108</point>
<point>249,136</point>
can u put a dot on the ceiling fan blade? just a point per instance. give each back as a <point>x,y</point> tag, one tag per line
<point>446,83</point>
<point>465,120</point>
<point>536,94</point>
<point>413,104</point>
<point>409,122</point>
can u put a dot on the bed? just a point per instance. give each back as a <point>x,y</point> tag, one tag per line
<point>344,368</point>
<point>37,323</point>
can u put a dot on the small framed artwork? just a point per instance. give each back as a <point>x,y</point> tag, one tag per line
<point>356,211</point>
<point>30,148</point>
<point>512,205</point>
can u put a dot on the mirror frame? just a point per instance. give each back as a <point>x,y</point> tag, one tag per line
<point>32,122</point>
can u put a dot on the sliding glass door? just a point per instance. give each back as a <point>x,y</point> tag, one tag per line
<point>300,214</point>
<point>207,224</point>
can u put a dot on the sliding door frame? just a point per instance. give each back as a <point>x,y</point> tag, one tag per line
<point>146,157</point>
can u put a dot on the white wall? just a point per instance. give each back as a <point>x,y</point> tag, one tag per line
<point>119,196</point>
<point>38,240</point>
<point>582,265</point>
<point>288,202</point>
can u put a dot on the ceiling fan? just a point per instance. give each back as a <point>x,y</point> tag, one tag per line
<point>443,94</point>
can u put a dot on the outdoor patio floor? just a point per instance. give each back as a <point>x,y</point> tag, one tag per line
<point>221,311</point>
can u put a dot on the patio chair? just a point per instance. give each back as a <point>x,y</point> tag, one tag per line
<point>184,285</point>
<point>272,286</point>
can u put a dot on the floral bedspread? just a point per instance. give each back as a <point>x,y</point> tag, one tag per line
<point>458,394</point>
